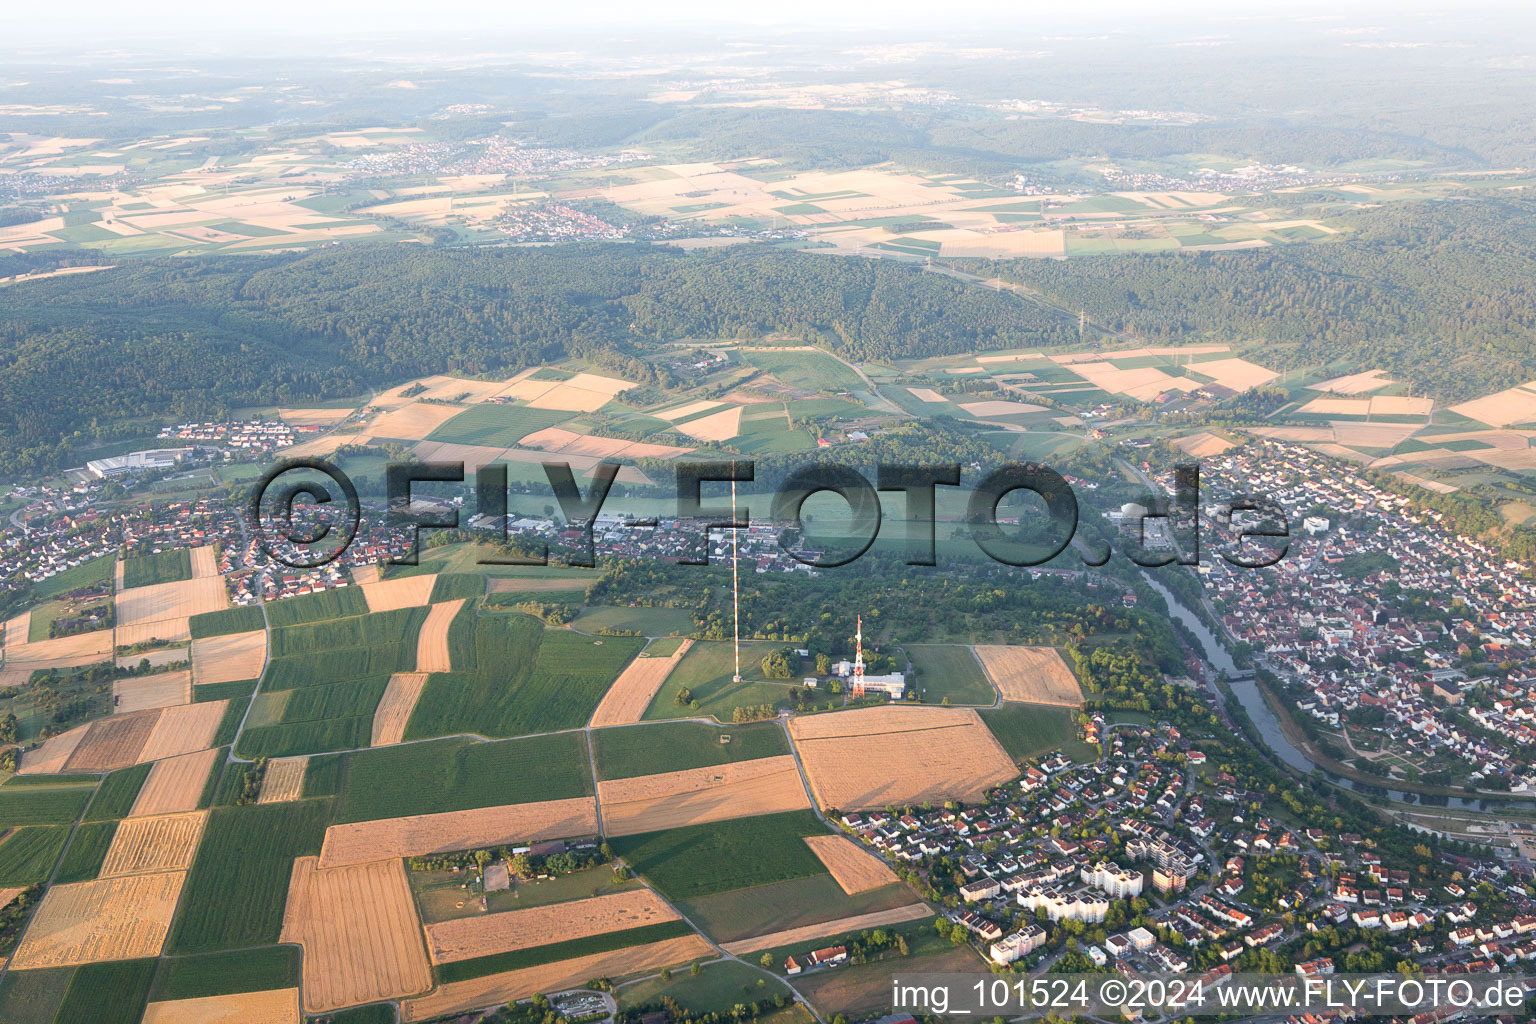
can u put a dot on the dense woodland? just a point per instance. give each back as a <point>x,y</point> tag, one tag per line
<point>185,339</point>
<point>1439,294</point>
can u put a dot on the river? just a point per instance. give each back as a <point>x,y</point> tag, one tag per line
<point>1248,695</point>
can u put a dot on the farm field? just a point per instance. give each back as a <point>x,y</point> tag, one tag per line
<point>174,784</point>
<point>238,885</point>
<point>439,897</point>
<point>445,831</point>
<point>855,868</point>
<point>469,937</point>
<point>167,842</point>
<point>862,989</point>
<point>805,933</point>
<point>276,1006</point>
<point>629,696</point>
<point>334,912</point>
<point>706,670</point>
<point>874,757</point>
<point>107,993</point>
<point>108,919</point>
<point>627,752</point>
<point>1034,675</point>
<point>717,987</point>
<point>162,567</point>
<point>82,861</point>
<point>27,855</point>
<point>1030,730</point>
<point>700,860</point>
<point>228,658</point>
<point>459,774</point>
<point>776,906</point>
<point>606,619</point>
<point>217,974</point>
<point>513,675</point>
<point>650,803</point>
<point>952,671</point>
<point>395,707</point>
<point>455,997</point>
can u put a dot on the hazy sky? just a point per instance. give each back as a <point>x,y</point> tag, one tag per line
<point>199,19</point>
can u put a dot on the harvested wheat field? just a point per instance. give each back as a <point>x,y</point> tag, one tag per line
<point>277,1006</point>
<point>107,919</point>
<point>1033,675</point>
<point>17,629</point>
<point>53,754</point>
<point>1000,408</point>
<point>468,937</point>
<point>174,784</point>
<point>1500,409</point>
<point>284,780</point>
<point>432,641</point>
<point>1204,444</point>
<point>113,743</point>
<point>395,707</point>
<point>871,757</point>
<point>684,411</point>
<point>926,395</point>
<point>1354,383</point>
<point>405,592</point>
<point>63,652</point>
<point>166,842</point>
<point>650,803</point>
<point>459,996</point>
<point>717,426</point>
<point>413,422</point>
<point>181,730</point>
<point>631,693</point>
<point>858,922</point>
<point>358,927</point>
<point>157,690</point>
<point>1234,373</point>
<point>164,602</point>
<point>421,834</point>
<point>205,562</point>
<point>226,659</point>
<point>855,868</point>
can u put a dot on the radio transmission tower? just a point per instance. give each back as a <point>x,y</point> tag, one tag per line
<point>735,584</point>
<point>858,660</point>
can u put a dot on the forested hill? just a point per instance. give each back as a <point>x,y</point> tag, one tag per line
<point>176,339</point>
<point>1440,294</point>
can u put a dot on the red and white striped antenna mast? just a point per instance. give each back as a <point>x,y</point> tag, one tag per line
<point>858,660</point>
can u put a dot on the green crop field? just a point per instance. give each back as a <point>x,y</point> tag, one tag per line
<point>117,793</point>
<point>496,425</point>
<point>164,567</point>
<point>459,774</point>
<point>88,848</point>
<point>479,967</point>
<point>42,805</point>
<point>763,909</point>
<point>327,604</point>
<point>87,574</point>
<point>715,989</point>
<point>323,775</point>
<point>108,993</point>
<point>513,676</point>
<point>33,997</point>
<point>950,671</point>
<point>1029,730</point>
<point>27,855</point>
<point>366,630</point>
<point>378,1013</point>
<point>315,719</point>
<point>450,586</point>
<point>240,689</point>
<point>218,974</point>
<point>632,750</point>
<point>243,619</point>
<point>813,371</point>
<point>700,860</point>
<point>237,888</point>
<point>707,669</point>
<point>644,621</point>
